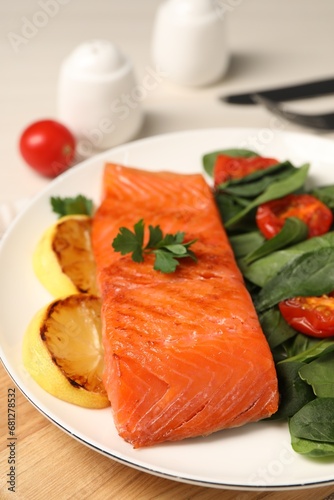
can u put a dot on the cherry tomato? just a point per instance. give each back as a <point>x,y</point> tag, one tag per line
<point>313,316</point>
<point>271,216</point>
<point>48,147</point>
<point>229,167</point>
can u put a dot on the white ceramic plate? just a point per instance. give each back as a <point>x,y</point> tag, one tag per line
<point>256,456</point>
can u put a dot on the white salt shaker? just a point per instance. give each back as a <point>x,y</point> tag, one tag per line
<point>97,96</point>
<point>189,41</point>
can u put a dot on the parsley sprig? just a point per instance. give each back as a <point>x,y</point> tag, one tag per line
<point>72,206</point>
<point>168,248</point>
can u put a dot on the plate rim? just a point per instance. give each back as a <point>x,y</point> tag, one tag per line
<point>74,172</point>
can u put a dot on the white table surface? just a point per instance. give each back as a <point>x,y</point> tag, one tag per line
<point>271,43</point>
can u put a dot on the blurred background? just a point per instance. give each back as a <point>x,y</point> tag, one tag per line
<point>271,43</point>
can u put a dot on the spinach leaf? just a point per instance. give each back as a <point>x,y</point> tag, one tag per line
<point>294,392</point>
<point>209,159</point>
<point>254,184</point>
<point>245,243</point>
<point>310,274</point>
<point>320,375</point>
<point>325,194</point>
<point>306,349</point>
<point>293,231</point>
<point>261,271</point>
<point>275,328</point>
<point>229,206</point>
<point>312,449</point>
<point>272,170</point>
<point>275,190</point>
<point>314,421</point>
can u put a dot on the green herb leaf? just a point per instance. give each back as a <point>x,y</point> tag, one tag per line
<point>130,241</point>
<point>155,236</point>
<point>139,232</point>
<point>72,206</point>
<point>165,262</point>
<point>177,249</point>
<point>167,249</point>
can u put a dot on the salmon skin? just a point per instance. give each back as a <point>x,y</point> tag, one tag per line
<point>185,355</point>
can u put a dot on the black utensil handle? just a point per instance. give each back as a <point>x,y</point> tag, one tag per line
<point>289,93</point>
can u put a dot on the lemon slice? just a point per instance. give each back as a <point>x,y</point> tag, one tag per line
<point>63,260</point>
<point>62,350</point>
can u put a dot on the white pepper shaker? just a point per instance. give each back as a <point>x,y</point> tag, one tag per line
<point>97,98</point>
<point>189,41</point>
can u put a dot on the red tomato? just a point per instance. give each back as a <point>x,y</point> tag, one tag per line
<point>271,216</point>
<point>229,167</point>
<point>313,316</point>
<point>48,147</point>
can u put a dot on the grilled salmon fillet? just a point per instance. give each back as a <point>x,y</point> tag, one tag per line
<point>185,355</point>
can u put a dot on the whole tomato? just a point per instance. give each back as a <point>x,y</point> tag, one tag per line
<point>48,147</point>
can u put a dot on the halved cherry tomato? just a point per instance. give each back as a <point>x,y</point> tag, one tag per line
<point>48,147</point>
<point>313,316</point>
<point>271,216</point>
<point>230,167</point>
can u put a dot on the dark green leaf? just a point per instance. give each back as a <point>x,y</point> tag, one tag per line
<point>310,274</point>
<point>171,239</point>
<point>210,158</point>
<point>320,375</point>
<point>72,206</point>
<point>191,254</point>
<point>231,206</point>
<point>155,235</point>
<point>167,249</point>
<point>246,243</point>
<point>165,261</point>
<point>126,242</point>
<point>312,449</point>
<point>314,421</point>
<point>254,184</point>
<point>271,172</point>
<point>294,392</point>
<point>139,232</point>
<point>228,207</point>
<point>293,231</point>
<point>276,190</point>
<point>275,328</point>
<point>189,243</point>
<point>306,349</point>
<point>176,249</point>
<point>325,194</point>
<point>261,271</point>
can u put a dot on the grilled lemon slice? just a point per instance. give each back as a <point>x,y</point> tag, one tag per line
<point>63,260</point>
<point>62,350</point>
